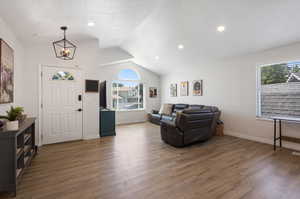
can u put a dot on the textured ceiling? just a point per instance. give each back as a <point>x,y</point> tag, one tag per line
<point>39,20</point>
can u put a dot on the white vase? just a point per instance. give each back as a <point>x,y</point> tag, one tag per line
<point>12,125</point>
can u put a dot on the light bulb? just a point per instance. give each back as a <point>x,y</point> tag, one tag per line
<point>65,52</point>
<point>221,28</point>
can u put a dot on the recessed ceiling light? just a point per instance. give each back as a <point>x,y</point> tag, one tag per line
<point>91,24</point>
<point>157,57</point>
<point>180,47</point>
<point>221,28</point>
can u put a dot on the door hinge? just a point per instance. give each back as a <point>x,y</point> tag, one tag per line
<point>41,74</point>
<point>41,105</point>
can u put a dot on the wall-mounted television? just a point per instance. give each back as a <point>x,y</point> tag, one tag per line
<point>103,100</point>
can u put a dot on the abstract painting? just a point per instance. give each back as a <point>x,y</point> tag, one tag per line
<point>198,88</point>
<point>6,73</point>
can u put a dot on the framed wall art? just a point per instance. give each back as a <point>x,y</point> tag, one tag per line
<point>197,88</point>
<point>184,88</point>
<point>152,92</point>
<point>6,73</point>
<point>92,86</point>
<point>173,90</point>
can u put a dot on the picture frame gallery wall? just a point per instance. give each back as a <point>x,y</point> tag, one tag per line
<point>184,88</point>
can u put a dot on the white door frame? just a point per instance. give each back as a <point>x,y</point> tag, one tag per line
<point>40,97</point>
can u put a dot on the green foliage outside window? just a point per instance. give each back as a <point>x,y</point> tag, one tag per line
<point>278,73</point>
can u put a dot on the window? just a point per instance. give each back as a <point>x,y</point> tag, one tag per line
<point>128,74</point>
<point>278,90</point>
<point>128,91</point>
<point>62,75</point>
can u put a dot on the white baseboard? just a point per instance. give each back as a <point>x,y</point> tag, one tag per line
<point>288,145</point>
<point>133,122</point>
<point>89,137</point>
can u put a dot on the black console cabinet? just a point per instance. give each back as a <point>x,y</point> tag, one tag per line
<point>17,149</point>
<point>107,122</point>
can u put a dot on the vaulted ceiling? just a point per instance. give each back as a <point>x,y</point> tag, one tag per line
<point>251,26</point>
<point>40,20</point>
<point>152,29</point>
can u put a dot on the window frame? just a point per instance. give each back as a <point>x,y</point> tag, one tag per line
<point>138,82</point>
<point>259,115</point>
<point>258,90</point>
<point>61,77</point>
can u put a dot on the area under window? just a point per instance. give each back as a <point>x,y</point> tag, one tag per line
<point>62,75</point>
<point>128,91</point>
<point>278,90</point>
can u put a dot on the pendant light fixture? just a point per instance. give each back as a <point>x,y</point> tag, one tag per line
<point>64,49</point>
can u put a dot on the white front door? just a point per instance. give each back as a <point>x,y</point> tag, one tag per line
<point>61,104</point>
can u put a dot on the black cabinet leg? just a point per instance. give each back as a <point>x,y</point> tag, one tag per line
<point>275,127</point>
<point>280,140</point>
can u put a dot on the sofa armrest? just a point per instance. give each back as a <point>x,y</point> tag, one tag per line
<point>215,120</point>
<point>168,123</point>
<point>155,112</point>
<point>171,134</point>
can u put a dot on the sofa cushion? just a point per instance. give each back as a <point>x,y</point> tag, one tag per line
<point>212,108</point>
<point>180,107</point>
<point>196,106</point>
<point>156,116</point>
<point>195,120</point>
<point>166,117</point>
<point>196,111</point>
<point>166,109</point>
<point>155,112</point>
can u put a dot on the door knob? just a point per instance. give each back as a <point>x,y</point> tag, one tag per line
<point>79,109</point>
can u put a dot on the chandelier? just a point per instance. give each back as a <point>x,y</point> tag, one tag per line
<point>64,49</point>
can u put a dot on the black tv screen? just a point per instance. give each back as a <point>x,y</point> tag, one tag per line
<point>103,95</point>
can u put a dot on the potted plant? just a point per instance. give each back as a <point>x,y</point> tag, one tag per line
<point>12,116</point>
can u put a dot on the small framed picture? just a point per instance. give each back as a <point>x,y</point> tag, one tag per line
<point>197,88</point>
<point>152,92</point>
<point>173,90</point>
<point>92,86</point>
<point>184,88</point>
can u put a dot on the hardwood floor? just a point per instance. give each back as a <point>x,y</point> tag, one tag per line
<point>136,164</point>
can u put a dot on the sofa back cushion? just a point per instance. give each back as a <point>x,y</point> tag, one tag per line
<point>166,109</point>
<point>196,106</point>
<point>194,119</point>
<point>212,108</point>
<point>196,111</point>
<point>180,107</point>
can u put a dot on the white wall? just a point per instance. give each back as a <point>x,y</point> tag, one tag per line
<point>150,79</point>
<point>88,58</point>
<point>8,36</point>
<point>231,85</point>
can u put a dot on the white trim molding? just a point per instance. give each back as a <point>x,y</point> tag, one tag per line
<point>90,137</point>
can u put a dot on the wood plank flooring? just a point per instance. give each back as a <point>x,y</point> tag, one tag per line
<point>136,164</point>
